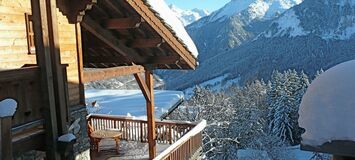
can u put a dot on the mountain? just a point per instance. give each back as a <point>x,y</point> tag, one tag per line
<point>309,36</point>
<point>237,22</point>
<point>188,16</point>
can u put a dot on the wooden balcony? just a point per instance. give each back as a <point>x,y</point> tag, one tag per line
<point>23,85</point>
<point>179,140</point>
<point>25,130</point>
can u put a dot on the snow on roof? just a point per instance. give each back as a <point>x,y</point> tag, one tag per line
<point>172,22</point>
<point>328,107</point>
<point>7,108</point>
<point>130,102</point>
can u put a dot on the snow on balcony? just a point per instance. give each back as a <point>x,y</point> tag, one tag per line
<point>328,107</point>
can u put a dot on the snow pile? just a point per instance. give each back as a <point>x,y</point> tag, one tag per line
<point>7,108</point>
<point>67,138</point>
<point>328,107</point>
<point>188,16</point>
<point>130,102</point>
<point>174,23</point>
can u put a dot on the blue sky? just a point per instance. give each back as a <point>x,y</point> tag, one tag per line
<point>210,5</point>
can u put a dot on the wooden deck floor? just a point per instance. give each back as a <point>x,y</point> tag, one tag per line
<point>128,151</point>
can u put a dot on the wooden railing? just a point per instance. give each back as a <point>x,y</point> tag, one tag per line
<point>23,85</point>
<point>167,132</point>
<point>186,147</point>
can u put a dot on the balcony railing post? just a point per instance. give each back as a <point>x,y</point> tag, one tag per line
<point>170,135</point>
<point>184,138</point>
<point>141,130</point>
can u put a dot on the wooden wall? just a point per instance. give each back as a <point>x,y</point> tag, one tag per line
<point>13,43</point>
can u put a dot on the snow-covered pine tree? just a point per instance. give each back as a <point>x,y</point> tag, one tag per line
<point>275,85</point>
<point>284,98</point>
<point>319,72</point>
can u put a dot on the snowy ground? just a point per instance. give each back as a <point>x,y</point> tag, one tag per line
<point>127,150</point>
<point>216,84</point>
<point>294,153</point>
<point>130,102</point>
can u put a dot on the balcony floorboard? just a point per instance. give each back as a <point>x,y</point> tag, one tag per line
<point>129,150</point>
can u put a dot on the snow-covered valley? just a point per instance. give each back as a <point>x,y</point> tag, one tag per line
<point>130,102</point>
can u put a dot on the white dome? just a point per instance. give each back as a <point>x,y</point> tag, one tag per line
<point>327,110</point>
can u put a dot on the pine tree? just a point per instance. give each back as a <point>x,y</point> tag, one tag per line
<point>284,99</point>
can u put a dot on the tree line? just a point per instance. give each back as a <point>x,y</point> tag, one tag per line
<point>260,115</point>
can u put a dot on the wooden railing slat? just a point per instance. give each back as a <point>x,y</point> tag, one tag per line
<point>167,133</point>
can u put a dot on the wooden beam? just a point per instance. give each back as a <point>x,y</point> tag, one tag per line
<point>143,86</point>
<point>101,74</point>
<point>150,115</point>
<point>107,37</point>
<point>163,60</point>
<point>58,70</point>
<point>151,60</point>
<point>123,23</point>
<point>145,43</point>
<point>5,138</point>
<point>43,57</point>
<point>79,50</point>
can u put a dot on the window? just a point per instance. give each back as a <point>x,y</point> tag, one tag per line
<point>30,34</point>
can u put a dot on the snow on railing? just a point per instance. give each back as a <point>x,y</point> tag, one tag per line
<point>167,132</point>
<point>186,146</point>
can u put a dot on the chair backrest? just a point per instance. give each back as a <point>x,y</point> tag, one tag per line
<point>90,128</point>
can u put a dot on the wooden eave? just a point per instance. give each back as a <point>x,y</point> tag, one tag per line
<point>163,30</point>
<point>122,33</point>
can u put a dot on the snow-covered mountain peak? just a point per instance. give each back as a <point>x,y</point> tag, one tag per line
<point>301,20</point>
<point>260,9</point>
<point>188,16</point>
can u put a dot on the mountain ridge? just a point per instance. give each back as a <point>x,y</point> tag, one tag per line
<point>309,36</point>
<point>188,16</point>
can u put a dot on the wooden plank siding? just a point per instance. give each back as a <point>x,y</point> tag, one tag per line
<point>14,49</point>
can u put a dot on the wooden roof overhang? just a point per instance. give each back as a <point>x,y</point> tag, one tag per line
<point>128,32</point>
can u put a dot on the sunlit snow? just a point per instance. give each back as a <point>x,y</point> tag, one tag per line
<point>175,24</point>
<point>328,107</point>
<point>130,102</point>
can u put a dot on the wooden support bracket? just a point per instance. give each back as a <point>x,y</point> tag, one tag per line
<point>143,86</point>
<point>101,74</point>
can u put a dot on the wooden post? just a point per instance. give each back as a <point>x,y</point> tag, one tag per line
<point>5,138</point>
<point>150,115</point>
<point>79,50</point>
<point>60,90</point>
<point>44,61</point>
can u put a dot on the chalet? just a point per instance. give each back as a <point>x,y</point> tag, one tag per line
<point>45,46</point>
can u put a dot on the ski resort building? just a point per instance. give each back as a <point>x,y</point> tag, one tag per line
<point>45,46</point>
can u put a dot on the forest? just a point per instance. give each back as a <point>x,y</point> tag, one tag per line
<point>260,115</point>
